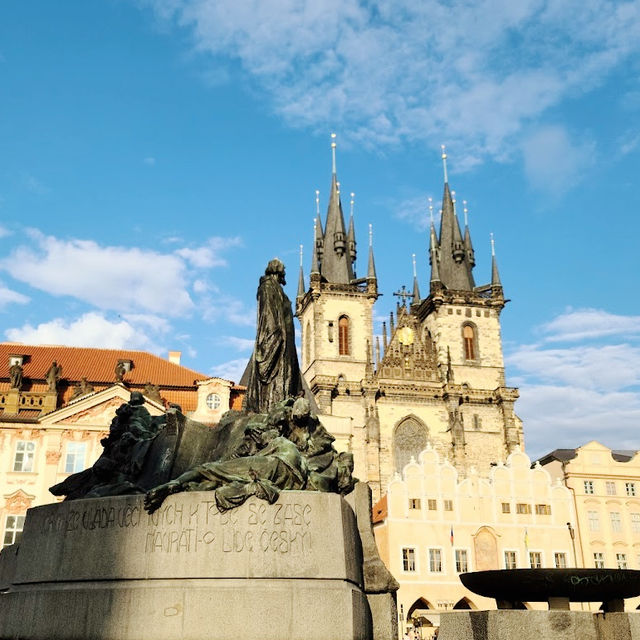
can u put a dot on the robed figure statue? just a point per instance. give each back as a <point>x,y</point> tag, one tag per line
<point>273,373</point>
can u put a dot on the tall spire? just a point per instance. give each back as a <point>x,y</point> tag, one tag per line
<point>317,226</point>
<point>300,277</point>
<point>351,235</point>
<point>315,269</point>
<point>495,276</point>
<point>454,267</point>
<point>336,266</point>
<point>444,164</point>
<point>435,269</point>
<point>468,246</point>
<point>371,269</point>
<point>416,289</point>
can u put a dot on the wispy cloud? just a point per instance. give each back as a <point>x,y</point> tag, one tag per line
<point>123,279</point>
<point>9,297</point>
<point>580,324</point>
<point>150,161</point>
<point>4,232</point>
<point>239,344</point>
<point>474,74</point>
<point>230,370</point>
<point>31,183</point>
<point>89,330</point>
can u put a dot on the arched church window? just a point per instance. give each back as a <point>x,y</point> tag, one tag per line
<point>343,336</point>
<point>307,345</point>
<point>409,439</point>
<point>469,340</point>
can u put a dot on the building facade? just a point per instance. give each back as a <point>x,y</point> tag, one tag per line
<point>434,524</point>
<point>437,375</point>
<point>56,403</point>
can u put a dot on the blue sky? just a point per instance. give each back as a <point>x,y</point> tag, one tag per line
<point>155,154</point>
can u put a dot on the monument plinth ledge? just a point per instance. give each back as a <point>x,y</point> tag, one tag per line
<point>189,571</point>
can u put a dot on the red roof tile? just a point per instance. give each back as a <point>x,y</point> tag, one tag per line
<point>97,365</point>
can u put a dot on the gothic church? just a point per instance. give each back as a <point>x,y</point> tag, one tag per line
<point>437,378</point>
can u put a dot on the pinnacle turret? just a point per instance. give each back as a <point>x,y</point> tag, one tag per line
<point>495,276</point>
<point>416,288</point>
<point>301,288</point>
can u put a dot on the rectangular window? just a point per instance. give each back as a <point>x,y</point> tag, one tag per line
<point>448,505</point>
<point>598,560</point>
<point>414,503</point>
<point>74,461</point>
<point>462,564</point>
<point>535,559</point>
<point>408,559</point>
<point>621,560</point>
<point>588,487</point>
<point>543,509</point>
<point>435,560</point>
<point>611,488</point>
<point>506,507</point>
<point>616,522</point>
<point>432,504</point>
<point>522,508</point>
<point>635,522</point>
<point>560,560</point>
<point>477,421</point>
<point>510,561</point>
<point>12,530</point>
<point>630,488</point>
<point>24,456</point>
<point>594,521</point>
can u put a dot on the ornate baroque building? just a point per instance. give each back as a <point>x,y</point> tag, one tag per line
<point>437,375</point>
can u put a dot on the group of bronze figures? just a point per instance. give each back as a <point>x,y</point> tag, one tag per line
<point>275,443</point>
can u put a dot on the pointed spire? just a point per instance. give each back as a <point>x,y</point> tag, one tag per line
<point>351,235</point>
<point>371,269</point>
<point>416,289</point>
<point>495,276</point>
<point>435,269</point>
<point>317,226</point>
<point>301,277</point>
<point>392,326</point>
<point>315,269</point>
<point>455,271</point>
<point>444,164</point>
<point>377,353</point>
<point>336,264</point>
<point>468,246</point>
<point>384,336</point>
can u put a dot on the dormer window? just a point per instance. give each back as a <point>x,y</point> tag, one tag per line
<point>126,364</point>
<point>16,359</point>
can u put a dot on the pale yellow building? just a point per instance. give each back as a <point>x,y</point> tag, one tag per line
<point>434,524</point>
<point>605,486</point>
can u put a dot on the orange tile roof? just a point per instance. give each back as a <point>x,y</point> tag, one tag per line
<point>97,365</point>
<point>379,511</point>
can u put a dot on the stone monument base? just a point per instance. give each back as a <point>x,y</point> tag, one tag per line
<point>535,625</point>
<point>104,569</point>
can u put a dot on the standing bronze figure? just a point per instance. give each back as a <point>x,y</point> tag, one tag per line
<point>273,373</point>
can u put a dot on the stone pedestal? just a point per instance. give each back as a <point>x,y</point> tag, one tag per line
<point>106,570</point>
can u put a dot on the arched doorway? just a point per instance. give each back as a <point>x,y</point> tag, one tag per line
<point>464,603</point>
<point>410,437</point>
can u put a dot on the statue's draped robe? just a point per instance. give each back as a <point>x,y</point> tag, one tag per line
<point>272,373</point>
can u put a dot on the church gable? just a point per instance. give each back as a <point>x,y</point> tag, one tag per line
<point>409,356</point>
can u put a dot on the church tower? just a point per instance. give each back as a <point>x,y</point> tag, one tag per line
<point>435,375</point>
<point>335,312</point>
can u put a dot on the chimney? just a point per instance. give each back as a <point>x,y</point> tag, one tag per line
<point>174,356</point>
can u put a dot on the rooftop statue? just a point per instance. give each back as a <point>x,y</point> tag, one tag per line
<point>15,376</point>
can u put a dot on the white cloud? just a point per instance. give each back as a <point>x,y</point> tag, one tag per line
<point>239,344</point>
<point>568,416</point>
<point>473,74</point>
<point>8,297</point>
<point>125,279</point>
<point>89,330</point>
<point>208,255</point>
<point>554,163</point>
<point>230,370</point>
<point>149,160</point>
<point>579,324</point>
<point>4,232</point>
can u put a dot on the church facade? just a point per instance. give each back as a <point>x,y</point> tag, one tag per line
<point>436,375</point>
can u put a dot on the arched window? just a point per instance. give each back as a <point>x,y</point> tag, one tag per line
<point>409,439</point>
<point>343,336</point>
<point>307,345</point>
<point>469,340</point>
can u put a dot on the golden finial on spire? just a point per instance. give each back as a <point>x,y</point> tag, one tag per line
<point>466,211</point>
<point>370,235</point>
<point>318,202</point>
<point>493,246</point>
<point>333,152</point>
<point>353,195</point>
<point>413,256</point>
<point>444,163</point>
